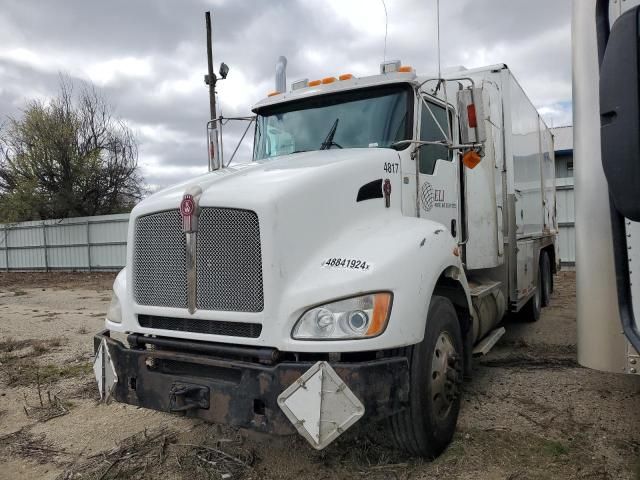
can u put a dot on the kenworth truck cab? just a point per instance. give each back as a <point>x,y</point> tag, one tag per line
<point>384,228</point>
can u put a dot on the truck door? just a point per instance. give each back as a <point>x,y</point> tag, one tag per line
<point>438,178</point>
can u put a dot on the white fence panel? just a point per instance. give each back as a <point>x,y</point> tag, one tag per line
<point>565,204</point>
<point>84,243</point>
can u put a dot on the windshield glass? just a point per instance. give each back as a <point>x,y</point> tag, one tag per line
<point>355,119</point>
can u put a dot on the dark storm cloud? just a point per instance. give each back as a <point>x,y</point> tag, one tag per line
<point>148,57</point>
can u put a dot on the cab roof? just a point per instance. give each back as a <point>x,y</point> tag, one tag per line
<point>352,83</point>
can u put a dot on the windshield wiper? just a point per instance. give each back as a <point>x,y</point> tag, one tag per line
<point>328,141</point>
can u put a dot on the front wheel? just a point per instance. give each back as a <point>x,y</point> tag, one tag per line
<point>427,425</point>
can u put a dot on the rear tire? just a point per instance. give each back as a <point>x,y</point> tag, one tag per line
<point>547,279</point>
<point>427,425</point>
<point>531,311</point>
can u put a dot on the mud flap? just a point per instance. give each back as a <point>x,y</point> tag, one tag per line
<point>320,405</point>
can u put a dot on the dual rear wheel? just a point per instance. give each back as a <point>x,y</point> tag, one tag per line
<point>544,288</point>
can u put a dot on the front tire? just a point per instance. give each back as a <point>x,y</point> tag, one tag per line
<point>427,425</point>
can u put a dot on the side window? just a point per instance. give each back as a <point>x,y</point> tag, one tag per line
<point>430,132</point>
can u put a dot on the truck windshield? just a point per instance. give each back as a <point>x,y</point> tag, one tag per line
<point>373,117</point>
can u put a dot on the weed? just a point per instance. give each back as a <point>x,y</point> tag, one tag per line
<point>455,450</point>
<point>133,456</point>
<point>10,344</point>
<point>39,347</point>
<point>555,448</point>
<point>29,446</point>
<point>26,373</point>
<point>45,411</point>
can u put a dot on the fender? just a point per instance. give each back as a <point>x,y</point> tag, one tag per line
<point>406,255</point>
<point>120,291</point>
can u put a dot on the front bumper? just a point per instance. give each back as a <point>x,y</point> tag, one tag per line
<point>239,392</point>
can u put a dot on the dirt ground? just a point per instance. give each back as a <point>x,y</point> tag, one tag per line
<point>530,411</point>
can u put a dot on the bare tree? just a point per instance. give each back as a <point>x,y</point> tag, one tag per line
<point>67,157</point>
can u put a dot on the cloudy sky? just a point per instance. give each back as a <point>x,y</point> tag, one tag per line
<point>148,57</point>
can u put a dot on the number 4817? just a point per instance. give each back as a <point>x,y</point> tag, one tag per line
<point>391,167</point>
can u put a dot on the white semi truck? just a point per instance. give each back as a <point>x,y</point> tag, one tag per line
<point>384,228</point>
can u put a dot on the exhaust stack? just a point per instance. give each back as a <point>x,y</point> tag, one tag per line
<point>281,74</point>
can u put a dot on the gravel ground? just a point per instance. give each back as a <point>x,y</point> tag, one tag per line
<point>530,411</point>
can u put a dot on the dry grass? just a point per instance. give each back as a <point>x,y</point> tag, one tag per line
<point>159,452</point>
<point>33,448</point>
<point>53,407</point>
<point>131,458</point>
<point>10,344</point>
<point>523,454</point>
<point>87,390</point>
<point>19,368</point>
<point>38,347</point>
<point>16,281</point>
<point>25,373</point>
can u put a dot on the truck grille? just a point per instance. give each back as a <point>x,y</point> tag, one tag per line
<point>160,260</point>
<point>194,325</point>
<point>228,259</point>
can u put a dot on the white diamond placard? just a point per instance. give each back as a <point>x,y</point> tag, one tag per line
<point>104,371</point>
<point>320,405</point>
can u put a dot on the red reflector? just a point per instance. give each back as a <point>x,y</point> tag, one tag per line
<point>471,114</point>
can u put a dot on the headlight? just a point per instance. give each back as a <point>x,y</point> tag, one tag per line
<point>114,314</point>
<point>358,317</point>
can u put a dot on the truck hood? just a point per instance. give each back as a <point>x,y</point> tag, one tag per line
<point>326,232</point>
<point>264,181</point>
<point>303,201</point>
<point>309,211</point>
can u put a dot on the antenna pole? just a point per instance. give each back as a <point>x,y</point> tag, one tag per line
<point>386,26</point>
<point>211,77</point>
<point>438,33</point>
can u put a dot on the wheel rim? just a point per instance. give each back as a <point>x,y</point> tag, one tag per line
<point>444,375</point>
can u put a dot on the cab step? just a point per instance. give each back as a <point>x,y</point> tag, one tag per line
<point>487,343</point>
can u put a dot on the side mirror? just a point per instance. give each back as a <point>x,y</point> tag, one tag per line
<point>471,108</point>
<point>620,114</point>
<point>224,70</point>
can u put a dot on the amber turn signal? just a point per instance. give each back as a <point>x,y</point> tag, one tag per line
<point>381,311</point>
<point>471,159</point>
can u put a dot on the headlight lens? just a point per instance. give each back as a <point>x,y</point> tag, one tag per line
<point>357,317</point>
<point>114,314</point>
